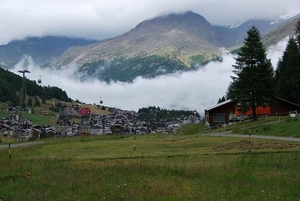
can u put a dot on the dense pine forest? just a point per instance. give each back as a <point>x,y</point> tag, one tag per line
<point>11,85</point>
<point>153,113</point>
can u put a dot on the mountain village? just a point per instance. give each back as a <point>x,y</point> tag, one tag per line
<point>78,121</point>
<point>74,120</point>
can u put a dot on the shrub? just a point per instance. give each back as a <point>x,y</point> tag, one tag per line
<point>31,139</point>
<point>267,127</point>
<point>288,119</point>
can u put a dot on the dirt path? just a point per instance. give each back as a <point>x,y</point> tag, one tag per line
<point>221,134</point>
<point>25,144</point>
<point>228,134</point>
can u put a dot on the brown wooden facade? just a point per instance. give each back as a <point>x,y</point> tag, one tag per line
<point>224,112</point>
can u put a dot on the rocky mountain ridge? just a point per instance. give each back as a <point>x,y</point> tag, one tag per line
<point>161,45</point>
<point>166,44</point>
<point>42,50</point>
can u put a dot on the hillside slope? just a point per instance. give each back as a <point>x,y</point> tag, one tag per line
<point>287,29</point>
<point>166,44</point>
<point>42,50</point>
<point>158,46</point>
<point>173,36</point>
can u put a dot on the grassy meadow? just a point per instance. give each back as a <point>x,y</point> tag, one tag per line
<point>163,167</point>
<point>51,119</point>
<point>269,125</point>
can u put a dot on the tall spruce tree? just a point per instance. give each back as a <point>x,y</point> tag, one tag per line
<point>288,73</point>
<point>288,70</point>
<point>253,84</point>
<point>298,28</point>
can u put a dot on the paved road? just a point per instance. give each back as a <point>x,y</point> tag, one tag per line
<point>25,144</point>
<point>228,134</point>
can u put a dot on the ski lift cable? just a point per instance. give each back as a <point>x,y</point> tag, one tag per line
<point>92,93</point>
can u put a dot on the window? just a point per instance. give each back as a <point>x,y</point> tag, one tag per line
<point>219,117</point>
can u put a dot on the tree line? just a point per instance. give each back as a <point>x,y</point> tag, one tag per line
<point>153,113</point>
<point>255,82</point>
<point>11,86</point>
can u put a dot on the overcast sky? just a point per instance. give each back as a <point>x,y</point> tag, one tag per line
<point>99,19</point>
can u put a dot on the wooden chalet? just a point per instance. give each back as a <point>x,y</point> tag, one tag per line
<point>228,111</point>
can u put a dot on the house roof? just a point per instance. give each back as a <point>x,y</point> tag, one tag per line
<point>229,101</point>
<point>218,105</point>
<point>289,102</point>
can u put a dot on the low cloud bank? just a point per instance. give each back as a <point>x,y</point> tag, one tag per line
<point>195,90</point>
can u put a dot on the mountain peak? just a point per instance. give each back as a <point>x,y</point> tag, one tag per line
<point>171,21</point>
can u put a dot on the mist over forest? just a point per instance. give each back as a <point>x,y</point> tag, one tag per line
<point>195,90</point>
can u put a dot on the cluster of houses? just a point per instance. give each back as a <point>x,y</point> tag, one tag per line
<point>119,121</point>
<point>116,122</point>
<point>23,129</point>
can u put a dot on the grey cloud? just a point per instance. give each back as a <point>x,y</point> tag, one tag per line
<point>101,19</point>
<point>190,90</point>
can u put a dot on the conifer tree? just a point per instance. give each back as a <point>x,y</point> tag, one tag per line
<point>37,102</point>
<point>29,102</point>
<point>221,99</point>
<point>288,70</point>
<point>298,28</point>
<point>288,73</point>
<point>253,84</point>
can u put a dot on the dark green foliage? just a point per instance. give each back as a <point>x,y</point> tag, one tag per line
<point>290,119</point>
<point>221,99</point>
<point>11,85</point>
<point>288,70</point>
<point>16,100</point>
<point>253,84</point>
<point>43,135</point>
<point>236,51</point>
<point>298,33</point>
<point>37,102</point>
<point>153,113</point>
<point>43,100</point>
<point>29,102</point>
<point>202,60</point>
<point>126,70</point>
<point>267,127</point>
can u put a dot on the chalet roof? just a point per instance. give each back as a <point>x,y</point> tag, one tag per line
<point>218,105</point>
<point>229,101</point>
<point>289,102</point>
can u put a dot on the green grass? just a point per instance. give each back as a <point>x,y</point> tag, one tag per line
<point>276,126</point>
<point>36,119</point>
<point>166,167</point>
<point>193,128</point>
<point>270,125</point>
<point>40,120</point>
<point>4,114</point>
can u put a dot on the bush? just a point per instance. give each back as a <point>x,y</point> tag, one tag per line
<point>43,135</point>
<point>288,119</point>
<point>31,139</point>
<point>267,127</point>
